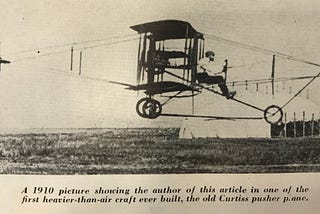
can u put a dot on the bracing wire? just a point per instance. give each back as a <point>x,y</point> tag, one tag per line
<point>261,50</point>
<point>267,51</point>
<point>247,65</point>
<point>75,49</point>
<point>304,87</point>
<point>67,73</point>
<point>107,44</point>
<point>72,43</point>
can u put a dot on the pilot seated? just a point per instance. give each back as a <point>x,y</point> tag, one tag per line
<point>206,65</point>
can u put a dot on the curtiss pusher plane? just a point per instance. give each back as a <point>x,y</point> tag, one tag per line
<point>163,71</point>
<point>156,62</point>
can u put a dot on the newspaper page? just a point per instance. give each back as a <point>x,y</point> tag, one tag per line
<point>151,106</point>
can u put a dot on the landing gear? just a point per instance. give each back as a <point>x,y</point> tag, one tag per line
<point>148,108</point>
<point>273,114</point>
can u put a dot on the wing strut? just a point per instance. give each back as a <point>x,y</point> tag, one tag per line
<point>272,73</point>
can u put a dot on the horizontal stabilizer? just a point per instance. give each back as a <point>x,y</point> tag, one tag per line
<point>4,61</point>
<point>120,83</point>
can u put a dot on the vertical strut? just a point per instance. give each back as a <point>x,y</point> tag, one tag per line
<point>80,63</point>
<point>143,56</point>
<point>202,49</point>
<point>185,51</point>
<point>272,74</point>
<point>189,59</point>
<point>71,59</point>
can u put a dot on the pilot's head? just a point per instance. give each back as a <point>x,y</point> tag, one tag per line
<point>210,55</point>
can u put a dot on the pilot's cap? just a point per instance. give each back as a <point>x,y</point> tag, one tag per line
<point>209,53</point>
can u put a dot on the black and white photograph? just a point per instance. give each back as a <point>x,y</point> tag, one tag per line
<point>159,87</point>
<point>159,106</point>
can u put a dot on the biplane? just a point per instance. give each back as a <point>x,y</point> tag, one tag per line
<point>156,62</point>
<point>173,72</point>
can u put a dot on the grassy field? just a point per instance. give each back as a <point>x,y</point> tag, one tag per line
<point>144,151</point>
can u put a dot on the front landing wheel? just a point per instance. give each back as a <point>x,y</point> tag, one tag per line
<point>273,114</point>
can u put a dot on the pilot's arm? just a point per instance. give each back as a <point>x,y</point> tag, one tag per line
<point>204,66</point>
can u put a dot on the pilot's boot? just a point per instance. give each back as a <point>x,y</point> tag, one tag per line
<point>231,94</point>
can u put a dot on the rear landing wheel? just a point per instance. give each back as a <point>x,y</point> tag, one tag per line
<point>273,114</point>
<point>148,108</point>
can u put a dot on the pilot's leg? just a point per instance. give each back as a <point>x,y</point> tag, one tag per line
<point>215,79</point>
<point>202,77</point>
<point>224,89</point>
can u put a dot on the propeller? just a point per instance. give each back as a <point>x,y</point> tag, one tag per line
<point>141,60</point>
<point>139,68</point>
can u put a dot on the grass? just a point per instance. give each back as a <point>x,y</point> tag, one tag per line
<point>144,151</point>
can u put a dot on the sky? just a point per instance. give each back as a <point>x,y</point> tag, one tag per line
<point>38,90</point>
